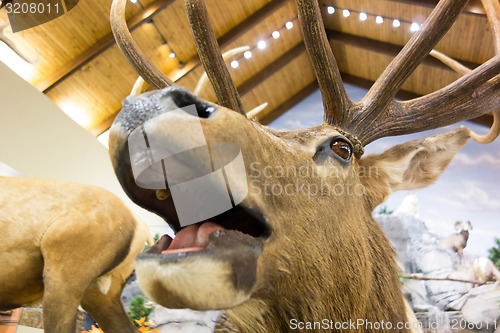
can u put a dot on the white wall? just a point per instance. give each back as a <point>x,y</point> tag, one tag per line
<point>39,140</point>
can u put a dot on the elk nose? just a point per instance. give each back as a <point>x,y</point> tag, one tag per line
<point>183,98</point>
<point>136,110</point>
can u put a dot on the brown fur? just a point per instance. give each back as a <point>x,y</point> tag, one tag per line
<point>67,244</point>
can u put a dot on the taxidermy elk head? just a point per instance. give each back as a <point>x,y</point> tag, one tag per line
<point>298,255</point>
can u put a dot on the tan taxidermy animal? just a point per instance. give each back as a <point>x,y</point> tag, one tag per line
<point>276,259</point>
<point>66,245</point>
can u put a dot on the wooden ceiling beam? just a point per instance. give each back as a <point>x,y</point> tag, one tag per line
<point>100,46</point>
<point>385,48</point>
<point>232,35</point>
<point>289,103</point>
<point>250,22</point>
<point>272,68</point>
<point>366,84</point>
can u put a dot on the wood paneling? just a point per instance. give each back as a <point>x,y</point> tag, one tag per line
<point>100,46</point>
<point>369,64</point>
<point>224,15</point>
<point>297,74</point>
<point>469,39</point>
<point>61,40</point>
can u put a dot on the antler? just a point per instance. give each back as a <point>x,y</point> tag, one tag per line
<point>13,46</point>
<point>461,69</point>
<point>140,85</point>
<point>452,63</point>
<point>152,75</point>
<point>492,9</point>
<point>378,114</point>
<point>210,56</point>
<point>382,93</point>
<point>206,43</point>
<point>226,56</point>
<point>335,100</point>
<point>493,13</point>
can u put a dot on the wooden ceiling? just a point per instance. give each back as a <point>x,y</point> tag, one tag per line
<point>82,70</point>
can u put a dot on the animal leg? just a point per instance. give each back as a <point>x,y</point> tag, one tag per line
<point>73,258</point>
<point>60,304</point>
<point>107,308</point>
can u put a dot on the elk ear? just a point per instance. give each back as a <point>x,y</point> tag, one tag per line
<point>410,165</point>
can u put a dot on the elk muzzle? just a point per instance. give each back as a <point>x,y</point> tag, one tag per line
<point>157,146</point>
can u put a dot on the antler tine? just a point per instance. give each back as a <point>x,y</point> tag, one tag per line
<point>493,132</point>
<point>382,93</point>
<point>139,87</point>
<point>210,56</point>
<point>450,62</point>
<point>335,100</point>
<point>152,75</point>
<point>228,55</point>
<point>492,8</point>
<point>469,97</point>
<point>461,69</point>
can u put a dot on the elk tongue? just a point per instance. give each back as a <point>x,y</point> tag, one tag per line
<point>192,238</point>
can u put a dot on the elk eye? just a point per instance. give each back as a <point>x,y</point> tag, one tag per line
<point>341,148</point>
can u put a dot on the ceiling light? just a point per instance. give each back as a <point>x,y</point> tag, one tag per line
<point>235,63</point>
<point>247,54</point>
<point>133,1</point>
<point>414,27</point>
<point>379,19</point>
<point>363,16</point>
<point>396,23</point>
<point>172,55</point>
<point>289,25</point>
<point>261,44</point>
<point>346,12</point>
<point>276,34</point>
<point>331,10</point>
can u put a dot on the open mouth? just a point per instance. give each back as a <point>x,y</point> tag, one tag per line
<point>209,265</point>
<point>237,223</point>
